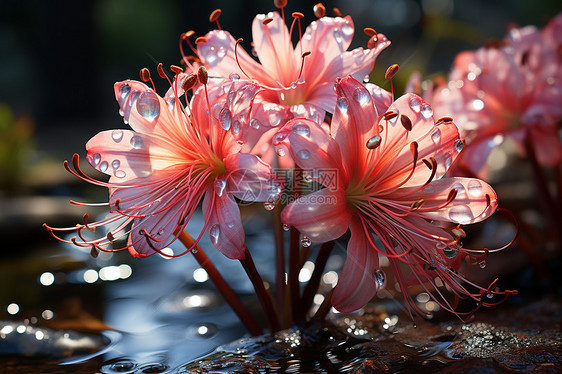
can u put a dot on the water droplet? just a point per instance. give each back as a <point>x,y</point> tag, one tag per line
<point>366,79</point>
<point>214,233</point>
<point>303,154</point>
<point>448,161</point>
<point>482,264</point>
<point>124,91</point>
<point>347,28</point>
<point>210,56</point>
<point>337,36</point>
<point>461,192</point>
<point>286,227</point>
<point>225,118</point>
<point>279,137</point>
<point>361,95</point>
<point>293,85</point>
<point>236,127</point>
<point>234,77</point>
<point>374,142</point>
<point>415,104</point>
<point>220,186</point>
<point>475,188</point>
<point>301,129</point>
<point>342,104</point>
<point>136,142</point>
<point>96,159</point>
<point>119,173</point>
<point>120,366</point>
<point>305,241</point>
<point>255,123</point>
<point>148,105</point>
<point>269,205</point>
<point>103,166</point>
<point>221,52</point>
<point>461,214</point>
<point>380,278</point>
<point>436,135</point>
<point>280,151</point>
<point>307,177</point>
<point>115,164</point>
<point>426,111</point>
<point>117,135</point>
<point>153,368</point>
<point>450,252</point>
<point>459,144</point>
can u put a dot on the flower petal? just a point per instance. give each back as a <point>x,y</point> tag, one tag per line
<point>322,215</point>
<point>357,283</point>
<point>224,224</point>
<point>250,179</point>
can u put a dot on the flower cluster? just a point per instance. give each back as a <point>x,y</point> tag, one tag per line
<point>212,139</point>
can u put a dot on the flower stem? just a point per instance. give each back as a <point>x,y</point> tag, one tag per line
<point>263,296</point>
<point>280,285</point>
<point>226,291</point>
<point>312,285</point>
<point>324,308</point>
<point>294,254</point>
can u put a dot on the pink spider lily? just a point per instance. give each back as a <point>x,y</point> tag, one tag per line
<point>174,158</point>
<point>389,184</point>
<point>512,89</point>
<point>298,79</point>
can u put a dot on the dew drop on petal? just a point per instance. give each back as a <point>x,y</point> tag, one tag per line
<point>460,214</point>
<point>103,166</point>
<point>269,205</point>
<point>459,144</point>
<point>342,104</point>
<point>136,142</point>
<point>115,164</point>
<point>415,104</point>
<point>234,77</point>
<point>303,154</point>
<point>426,111</point>
<point>96,159</point>
<point>280,151</point>
<point>461,192</point>
<point>361,95</point>
<point>380,278</point>
<point>236,127</point>
<point>305,241</point>
<point>286,227</point>
<point>475,188</point>
<point>220,186</point>
<point>225,118</point>
<point>148,105</point>
<point>301,129</point>
<point>436,135</point>
<point>119,173</point>
<point>450,252</point>
<point>214,233</point>
<point>117,135</point>
<point>440,245</point>
<point>337,36</point>
<point>448,161</point>
<point>124,91</point>
<point>347,28</point>
<point>279,137</point>
<point>254,123</point>
<point>366,79</point>
<point>482,264</point>
<point>221,52</point>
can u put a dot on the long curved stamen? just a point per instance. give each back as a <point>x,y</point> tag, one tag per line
<point>214,17</point>
<point>240,40</point>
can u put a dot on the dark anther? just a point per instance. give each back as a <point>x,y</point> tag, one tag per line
<point>94,252</point>
<point>160,71</point>
<point>319,10</point>
<point>215,15</point>
<point>337,12</point>
<point>144,74</point>
<point>406,122</point>
<point>444,120</point>
<point>389,115</point>
<point>187,34</point>
<point>369,31</point>
<point>176,69</point>
<point>391,71</point>
<point>280,4</point>
<point>110,236</point>
<point>200,39</point>
<point>374,142</point>
<point>297,15</point>
<point>203,75</point>
<point>266,21</point>
<point>189,82</point>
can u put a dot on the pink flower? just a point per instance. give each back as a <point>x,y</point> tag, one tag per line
<point>162,169</point>
<point>303,85</point>
<point>512,89</point>
<point>388,183</point>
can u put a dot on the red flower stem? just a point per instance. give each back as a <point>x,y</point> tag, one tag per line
<point>312,286</point>
<point>294,255</point>
<point>541,183</point>
<point>324,308</point>
<point>294,270</point>
<point>226,291</point>
<point>280,284</point>
<point>263,296</point>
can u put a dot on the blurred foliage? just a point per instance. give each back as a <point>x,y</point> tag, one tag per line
<point>16,144</point>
